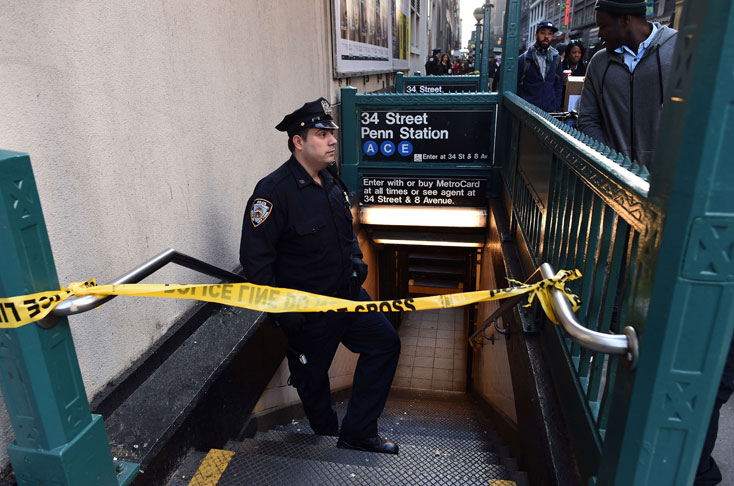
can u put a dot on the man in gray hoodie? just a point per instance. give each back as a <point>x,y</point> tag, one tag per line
<point>626,82</point>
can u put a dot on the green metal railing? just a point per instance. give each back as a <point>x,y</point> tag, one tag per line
<point>580,205</point>
<point>576,203</point>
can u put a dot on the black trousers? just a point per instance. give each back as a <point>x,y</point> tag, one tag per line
<point>708,472</point>
<point>371,336</point>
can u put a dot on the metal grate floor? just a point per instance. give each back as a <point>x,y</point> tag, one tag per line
<point>444,440</point>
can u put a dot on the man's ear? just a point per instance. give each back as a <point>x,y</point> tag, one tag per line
<point>298,142</point>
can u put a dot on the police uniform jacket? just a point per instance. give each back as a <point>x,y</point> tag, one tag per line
<point>298,234</point>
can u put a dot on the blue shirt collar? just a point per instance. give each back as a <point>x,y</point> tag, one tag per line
<point>643,46</point>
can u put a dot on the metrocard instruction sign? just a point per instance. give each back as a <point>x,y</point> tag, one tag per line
<point>424,191</point>
<point>427,136</point>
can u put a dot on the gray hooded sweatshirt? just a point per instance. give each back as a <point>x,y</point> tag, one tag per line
<point>621,108</point>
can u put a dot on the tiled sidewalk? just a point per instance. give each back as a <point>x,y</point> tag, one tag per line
<point>433,355</point>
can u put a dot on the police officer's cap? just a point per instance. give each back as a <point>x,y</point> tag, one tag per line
<point>546,23</point>
<point>312,114</point>
<point>437,49</point>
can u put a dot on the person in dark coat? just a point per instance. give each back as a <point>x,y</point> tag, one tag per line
<point>297,233</point>
<point>708,472</point>
<point>433,63</point>
<point>626,82</point>
<point>445,67</point>
<point>540,74</point>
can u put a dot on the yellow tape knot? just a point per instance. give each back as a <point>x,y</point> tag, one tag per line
<point>543,289</point>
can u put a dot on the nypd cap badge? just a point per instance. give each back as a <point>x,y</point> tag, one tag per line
<point>260,211</point>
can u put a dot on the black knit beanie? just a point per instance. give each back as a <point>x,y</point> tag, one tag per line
<point>630,7</point>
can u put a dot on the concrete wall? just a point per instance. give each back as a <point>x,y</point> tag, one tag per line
<point>148,124</point>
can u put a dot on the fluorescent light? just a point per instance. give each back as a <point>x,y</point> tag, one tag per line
<point>447,217</point>
<point>459,244</point>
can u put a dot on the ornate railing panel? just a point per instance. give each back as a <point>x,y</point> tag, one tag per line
<point>578,204</point>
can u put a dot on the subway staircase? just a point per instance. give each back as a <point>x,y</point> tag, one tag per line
<point>433,273</point>
<point>444,439</point>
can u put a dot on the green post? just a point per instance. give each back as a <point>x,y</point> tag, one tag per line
<point>399,82</point>
<point>686,318</point>
<point>484,62</point>
<point>57,439</point>
<point>477,45</point>
<point>349,148</point>
<point>508,82</point>
<point>511,46</point>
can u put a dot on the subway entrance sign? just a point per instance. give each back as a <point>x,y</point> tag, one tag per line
<point>419,160</point>
<point>443,136</point>
<point>436,84</point>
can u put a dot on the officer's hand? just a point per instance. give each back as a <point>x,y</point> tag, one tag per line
<point>290,322</point>
<point>359,267</point>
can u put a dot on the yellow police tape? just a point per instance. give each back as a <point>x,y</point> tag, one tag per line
<point>21,310</point>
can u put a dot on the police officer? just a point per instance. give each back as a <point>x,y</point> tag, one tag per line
<point>433,63</point>
<point>297,233</point>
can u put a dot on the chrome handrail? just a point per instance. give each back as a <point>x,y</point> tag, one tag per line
<point>625,344</point>
<point>88,302</point>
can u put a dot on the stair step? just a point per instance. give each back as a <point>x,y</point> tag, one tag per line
<point>435,283</point>
<point>390,430</point>
<point>436,270</point>
<point>438,257</point>
<point>446,453</point>
<point>257,469</point>
<point>405,462</point>
<point>427,441</point>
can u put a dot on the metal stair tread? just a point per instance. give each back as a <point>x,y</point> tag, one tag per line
<point>402,462</point>
<point>446,453</point>
<point>259,469</point>
<point>428,441</point>
<point>390,428</point>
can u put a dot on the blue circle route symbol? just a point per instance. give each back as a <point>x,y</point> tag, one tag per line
<point>387,147</point>
<point>405,148</point>
<point>370,148</point>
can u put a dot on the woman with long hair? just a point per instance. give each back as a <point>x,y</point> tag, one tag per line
<point>445,67</point>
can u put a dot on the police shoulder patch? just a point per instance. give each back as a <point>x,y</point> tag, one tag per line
<point>261,209</point>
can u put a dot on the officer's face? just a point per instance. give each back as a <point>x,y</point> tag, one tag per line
<point>319,147</point>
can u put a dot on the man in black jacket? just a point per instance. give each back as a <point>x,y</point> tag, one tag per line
<point>297,233</point>
<point>626,82</point>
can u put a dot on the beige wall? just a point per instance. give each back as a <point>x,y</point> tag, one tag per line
<point>490,366</point>
<point>148,124</point>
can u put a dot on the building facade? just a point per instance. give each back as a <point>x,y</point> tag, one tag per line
<point>444,25</point>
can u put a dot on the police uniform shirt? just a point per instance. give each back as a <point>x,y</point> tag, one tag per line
<point>298,234</point>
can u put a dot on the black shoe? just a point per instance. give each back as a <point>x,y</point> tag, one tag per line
<point>373,444</point>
